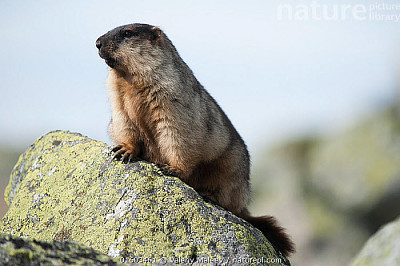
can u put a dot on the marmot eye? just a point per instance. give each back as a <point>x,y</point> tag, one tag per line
<point>130,33</point>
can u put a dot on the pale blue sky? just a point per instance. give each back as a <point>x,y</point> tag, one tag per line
<point>274,78</point>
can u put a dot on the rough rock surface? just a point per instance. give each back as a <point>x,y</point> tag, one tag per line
<point>383,248</point>
<point>66,187</point>
<point>19,251</point>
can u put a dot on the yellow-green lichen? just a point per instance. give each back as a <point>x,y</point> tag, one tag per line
<point>24,251</point>
<point>66,187</point>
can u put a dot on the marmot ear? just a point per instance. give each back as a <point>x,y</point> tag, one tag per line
<point>157,32</point>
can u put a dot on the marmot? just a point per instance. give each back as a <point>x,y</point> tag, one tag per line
<point>162,114</point>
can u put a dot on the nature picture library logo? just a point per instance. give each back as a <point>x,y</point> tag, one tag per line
<point>323,11</point>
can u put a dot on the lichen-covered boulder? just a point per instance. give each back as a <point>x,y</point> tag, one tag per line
<point>20,251</point>
<point>383,248</point>
<point>66,187</point>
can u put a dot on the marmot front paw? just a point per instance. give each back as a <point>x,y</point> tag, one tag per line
<point>123,152</point>
<point>169,170</point>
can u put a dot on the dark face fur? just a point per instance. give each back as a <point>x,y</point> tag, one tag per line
<point>124,47</point>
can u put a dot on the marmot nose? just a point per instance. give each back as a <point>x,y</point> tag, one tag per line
<point>98,43</point>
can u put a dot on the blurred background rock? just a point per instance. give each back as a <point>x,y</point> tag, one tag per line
<point>334,190</point>
<point>316,100</point>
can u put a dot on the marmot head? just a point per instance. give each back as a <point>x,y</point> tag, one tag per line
<point>133,48</point>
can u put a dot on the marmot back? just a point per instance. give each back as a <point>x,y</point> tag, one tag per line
<point>162,114</point>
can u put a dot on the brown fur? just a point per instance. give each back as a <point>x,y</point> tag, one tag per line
<point>161,113</point>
